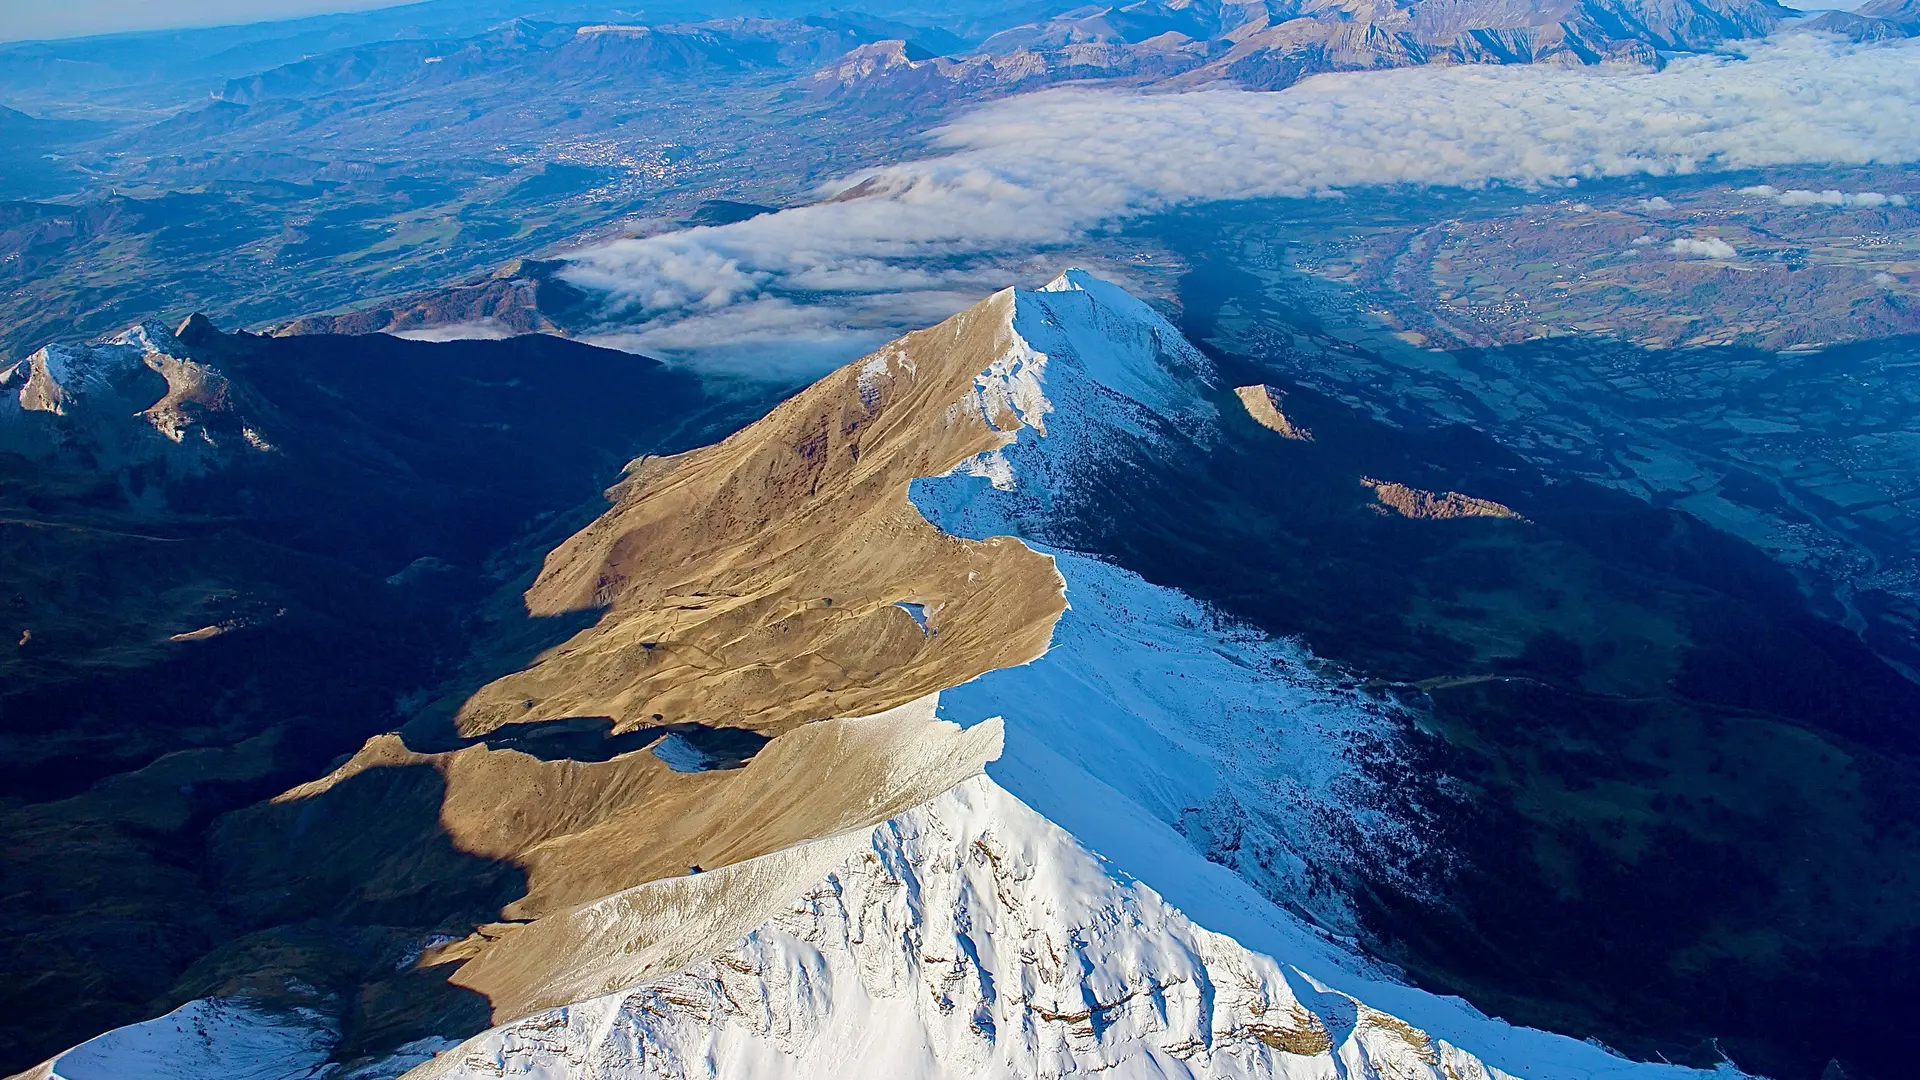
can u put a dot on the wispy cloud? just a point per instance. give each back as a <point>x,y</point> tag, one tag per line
<point>1031,174</point>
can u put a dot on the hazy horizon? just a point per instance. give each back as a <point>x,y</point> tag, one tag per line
<point>87,18</point>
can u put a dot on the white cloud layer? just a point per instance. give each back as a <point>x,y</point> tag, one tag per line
<point>1830,197</point>
<point>791,292</point>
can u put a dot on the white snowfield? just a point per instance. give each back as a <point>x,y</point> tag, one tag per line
<point>970,938</point>
<point>1117,896</point>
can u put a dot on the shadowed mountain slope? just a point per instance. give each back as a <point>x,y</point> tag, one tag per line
<point>198,618</point>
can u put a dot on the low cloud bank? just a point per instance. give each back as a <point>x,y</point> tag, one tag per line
<point>1829,197</point>
<point>791,293</point>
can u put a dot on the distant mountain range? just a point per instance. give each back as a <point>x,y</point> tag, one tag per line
<point>1876,20</point>
<point>1264,44</point>
<point>334,161</point>
<point>1269,45</point>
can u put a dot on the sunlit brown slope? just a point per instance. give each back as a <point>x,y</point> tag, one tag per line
<point>754,583</point>
<point>572,831</point>
<point>831,780</point>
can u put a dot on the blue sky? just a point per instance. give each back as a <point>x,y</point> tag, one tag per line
<point>23,19</point>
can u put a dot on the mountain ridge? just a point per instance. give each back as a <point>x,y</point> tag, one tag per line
<point>942,492</point>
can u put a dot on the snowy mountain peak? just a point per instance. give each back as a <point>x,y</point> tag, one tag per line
<point>79,400</point>
<point>1083,345</point>
<point>1093,373</point>
<point>1112,340</point>
<point>58,378</point>
<point>151,337</point>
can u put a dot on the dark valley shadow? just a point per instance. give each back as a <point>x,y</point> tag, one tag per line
<point>1674,799</point>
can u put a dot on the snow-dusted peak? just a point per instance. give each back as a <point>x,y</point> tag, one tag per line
<point>103,403</point>
<point>1102,335</point>
<point>969,937</point>
<point>1089,351</point>
<point>1086,373</point>
<point>57,377</point>
<point>1075,279</point>
<point>151,337</point>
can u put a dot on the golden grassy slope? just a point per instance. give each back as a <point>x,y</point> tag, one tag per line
<point>753,583</point>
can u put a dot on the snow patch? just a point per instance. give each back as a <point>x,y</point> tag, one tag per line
<point>918,612</point>
<point>404,1058</point>
<point>209,1039</point>
<point>681,755</point>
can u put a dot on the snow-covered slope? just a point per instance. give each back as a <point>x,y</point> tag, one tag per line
<point>970,938</point>
<point>1247,746</point>
<point>201,1040</point>
<point>1091,369</point>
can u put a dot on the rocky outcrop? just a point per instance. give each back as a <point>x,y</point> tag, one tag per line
<point>527,296</point>
<point>1420,505</point>
<point>1263,404</point>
